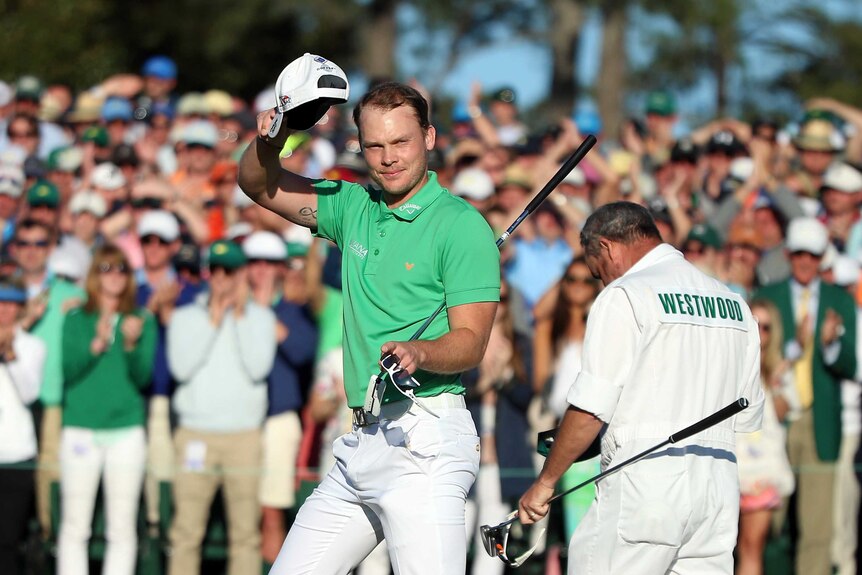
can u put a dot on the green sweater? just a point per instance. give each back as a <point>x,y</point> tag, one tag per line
<point>104,391</point>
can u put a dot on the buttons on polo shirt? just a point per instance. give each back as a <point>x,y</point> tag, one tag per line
<point>382,234</point>
<point>376,252</point>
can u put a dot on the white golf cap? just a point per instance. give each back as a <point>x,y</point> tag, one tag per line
<point>845,270</point>
<point>843,178</point>
<point>308,86</point>
<point>575,178</point>
<point>200,133</point>
<point>474,184</point>
<point>11,180</point>
<point>264,246</point>
<point>741,169</point>
<point>159,223</point>
<point>807,235</point>
<point>70,259</point>
<point>88,202</point>
<point>241,199</point>
<point>108,176</point>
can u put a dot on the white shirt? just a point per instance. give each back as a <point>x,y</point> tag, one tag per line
<point>665,347</point>
<point>19,387</point>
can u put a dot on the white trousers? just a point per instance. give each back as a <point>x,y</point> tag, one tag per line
<point>406,480</point>
<point>675,511</point>
<point>846,508</point>
<point>86,456</point>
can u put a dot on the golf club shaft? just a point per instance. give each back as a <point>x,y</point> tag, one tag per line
<point>564,170</point>
<point>705,423</point>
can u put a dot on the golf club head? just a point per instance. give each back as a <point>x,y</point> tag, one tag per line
<point>492,539</point>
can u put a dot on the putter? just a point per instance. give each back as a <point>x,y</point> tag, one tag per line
<point>555,180</point>
<point>495,538</point>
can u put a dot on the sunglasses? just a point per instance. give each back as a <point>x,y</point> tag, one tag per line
<point>765,327</point>
<point>36,244</point>
<point>573,279</point>
<point>153,239</point>
<point>152,203</point>
<point>496,538</point>
<point>697,250</point>
<point>14,134</point>
<point>105,267</point>
<point>397,375</point>
<point>227,271</point>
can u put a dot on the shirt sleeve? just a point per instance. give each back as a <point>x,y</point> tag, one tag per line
<point>610,347</point>
<point>470,261</point>
<point>333,202</point>
<point>751,388</point>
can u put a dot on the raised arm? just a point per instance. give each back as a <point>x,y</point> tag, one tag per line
<point>265,181</point>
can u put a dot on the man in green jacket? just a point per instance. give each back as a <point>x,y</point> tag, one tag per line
<point>819,321</point>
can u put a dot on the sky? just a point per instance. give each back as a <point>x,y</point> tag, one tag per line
<point>524,65</point>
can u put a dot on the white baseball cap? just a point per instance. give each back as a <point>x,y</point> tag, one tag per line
<point>159,223</point>
<point>201,133</point>
<point>108,176</point>
<point>845,270</point>
<point>741,169</point>
<point>11,180</point>
<point>473,184</point>
<point>88,202</point>
<point>807,235</point>
<point>70,259</point>
<point>264,246</point>
<point>308,86</point>
<point>843,178</point>
<point>575,178</point>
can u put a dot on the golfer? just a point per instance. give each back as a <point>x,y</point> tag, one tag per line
<point>408,245</point>
<point>665,346</point>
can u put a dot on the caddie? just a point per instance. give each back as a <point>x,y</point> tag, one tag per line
<point>408,245</point>
<point>665,346</point>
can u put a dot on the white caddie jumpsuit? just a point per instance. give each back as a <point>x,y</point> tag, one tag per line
<point>666,346</point>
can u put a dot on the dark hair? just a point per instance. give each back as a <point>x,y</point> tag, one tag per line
<point>562,314</point>
<point>32,122</point>
<point>30,223</point>
<point>623,222</point>
<point>390,95</point>
<point>109,254</point>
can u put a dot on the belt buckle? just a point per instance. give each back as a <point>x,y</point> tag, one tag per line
<point>362,418</point>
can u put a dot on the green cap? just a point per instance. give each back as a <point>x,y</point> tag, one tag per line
<point>28,88</point>
<point>97,134</point>
<point>43,193</point>
<point>661,103</point>
<point>705,235</point>
<point>504,94</point>
<point>227,254</point>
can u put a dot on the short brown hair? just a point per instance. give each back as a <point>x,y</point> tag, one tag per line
<point>390,95</point>
<point>111,255</point>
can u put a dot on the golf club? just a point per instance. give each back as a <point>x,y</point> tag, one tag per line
<point>495,538</point>
<point>555,180</point>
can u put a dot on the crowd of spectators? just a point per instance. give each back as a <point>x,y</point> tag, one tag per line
<point>157,327</point>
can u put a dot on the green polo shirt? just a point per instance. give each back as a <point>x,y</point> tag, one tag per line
<point>398,265</point>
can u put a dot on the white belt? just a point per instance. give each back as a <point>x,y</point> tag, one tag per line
<point>395,409</point>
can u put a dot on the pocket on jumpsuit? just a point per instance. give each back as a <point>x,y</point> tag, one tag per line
<point>344,448</point>
<point>655,502</point>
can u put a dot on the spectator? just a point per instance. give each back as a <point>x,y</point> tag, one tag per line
<point>108,347</point>
<point>823,355</point>
<point>817,145</point>
<point>765,476</point>
<point>844,273</point>
<point>475,186</point>
<point>742,257</point>
<point>702,248</point>
<point>214,353</point>
<point>33,242</point>
<point>561,320</point>
<point>22,357</point>
<point>43,201</point>
<point>11,188</point>
<point>117,116</point>
<point>160,291</point>
<point>87,210</point>
<point>22,131</point>
<point>288,382</point>
<point>160,79</point>
<point>840,194</point>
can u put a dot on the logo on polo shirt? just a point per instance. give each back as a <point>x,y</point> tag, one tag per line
<point>409,208</point>
<point>408,265</point>
<point>358,249</point>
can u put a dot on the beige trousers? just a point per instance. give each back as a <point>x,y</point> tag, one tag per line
<point>815,488</point>
<point>205,461</point>
<point>49,464</point>
<point>160,453</point>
